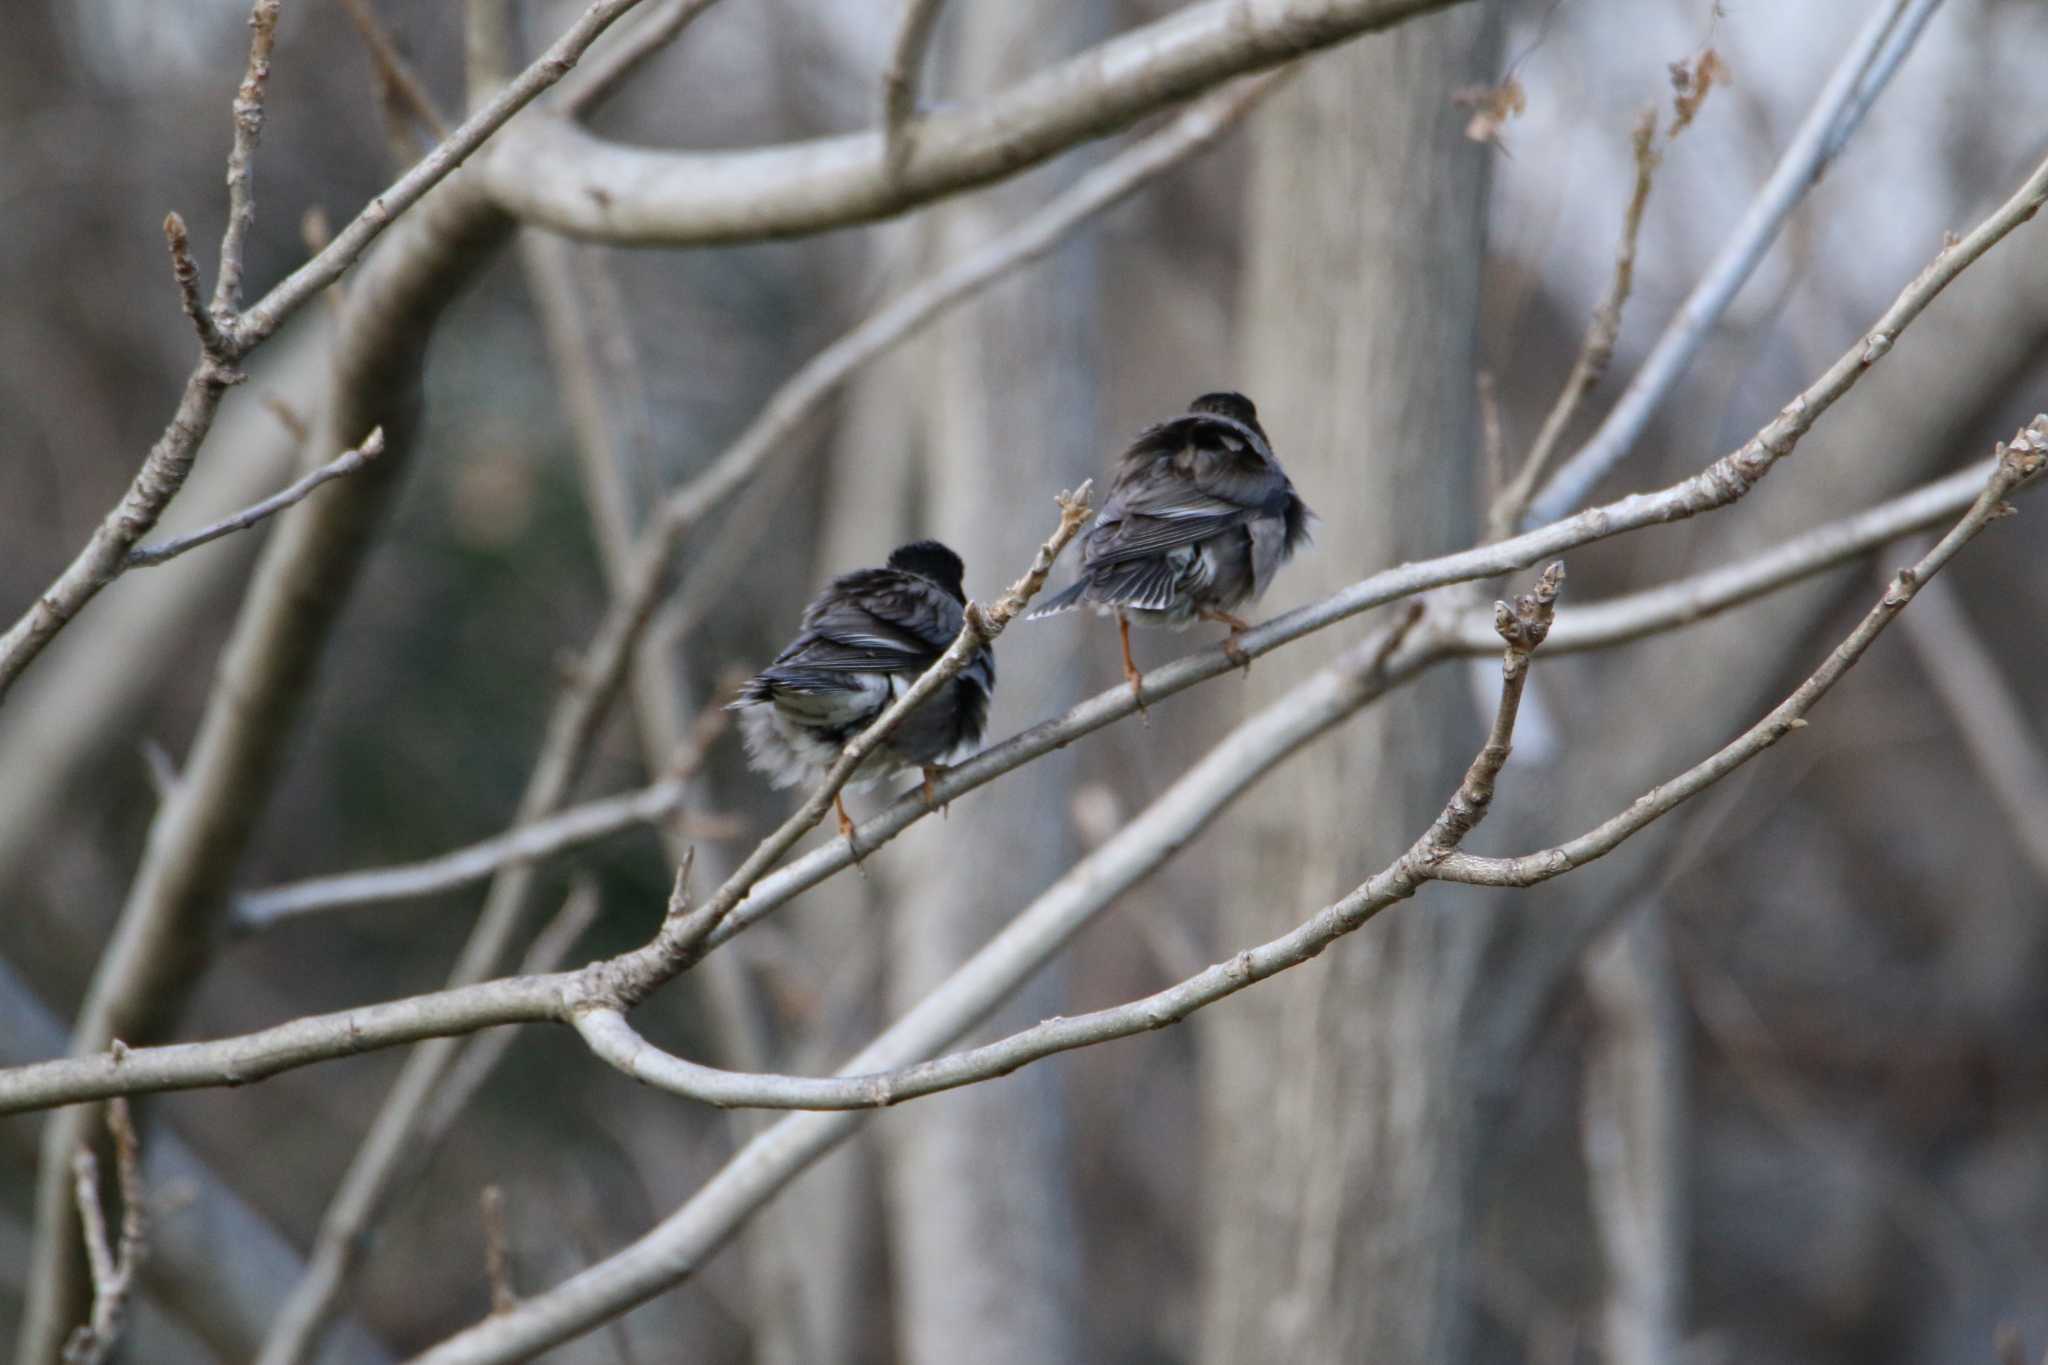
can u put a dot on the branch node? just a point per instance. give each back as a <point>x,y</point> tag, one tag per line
<point>186,272</point>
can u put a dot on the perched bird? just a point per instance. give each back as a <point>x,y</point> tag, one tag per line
<point>1199,518</point>
<point>863,642</point>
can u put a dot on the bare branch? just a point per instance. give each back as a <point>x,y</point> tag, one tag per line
<point>603,75</point>
<point>169,462</point>
<point>186,272</point>
<point>552,173</point>
<point>1596,625</point>
<point>1596,351</point>
<point>392,1140</point>
<point>1837,111</point>
<point>2018,462</point>
<point>348,462</point>
<point>269,313</point>
<point>113,1268</point>
<point>548,951</point>
<point>393,70</point>
<point>899,82</point>
<point>1600,625</point>
<point>528,999</point>
<point>105,555</point>
<point>1722,483</point>
<point>530,842</point>
<point>804,392</point>
<point>497,1260</point>
<point>683,937</point>
<point>1522,627</point>
<point>573,724</point>
<point>681,1243</point>
<point>248,111</point>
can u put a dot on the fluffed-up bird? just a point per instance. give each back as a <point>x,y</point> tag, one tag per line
<point>1199,518</point>
<point>864,640</point>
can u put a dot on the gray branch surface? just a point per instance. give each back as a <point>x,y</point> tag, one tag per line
<point>551,173</point>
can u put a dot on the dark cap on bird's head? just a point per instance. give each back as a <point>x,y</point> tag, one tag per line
<point>1235,406</point>
<point>929,559</point>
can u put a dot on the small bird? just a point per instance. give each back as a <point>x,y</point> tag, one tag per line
<point>1198,520</point>
<point>863,642</point>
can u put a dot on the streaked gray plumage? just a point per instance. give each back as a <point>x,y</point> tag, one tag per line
<point>1199,519</point>
<point>864,640</point>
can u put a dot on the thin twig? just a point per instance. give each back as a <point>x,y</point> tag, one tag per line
<point>899,81</point>
<point>298,1325</point>
<point>169,461</point>
<point>269,313</point>
<point>531,842</point>
<point>113,1267</point>
<point>804,393</point>
<point>2018,462</point>
<point>185,271</point>
<point>348,462</point>
<point>1837,111</point>
<point>393,69</point>
<point>1522,627</point>
<point>680,1244</point>
<point>527,999</point>
<point>1589,626</point>
<point>682,938</point>
<point>1597,350</point>
<point>605,72</point>
<point>548,951</point>
<point>497,1259</point>
<point>248,113</point>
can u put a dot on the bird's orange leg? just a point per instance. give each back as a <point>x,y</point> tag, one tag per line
<point>932,773</point>
<point>846,829</point>
<point>1238,626</point>
<point>1131,673</point>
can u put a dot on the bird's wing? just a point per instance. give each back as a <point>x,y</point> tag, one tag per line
<point>876,620</point>
<point>1147,584</point>
<point>1182,482</point>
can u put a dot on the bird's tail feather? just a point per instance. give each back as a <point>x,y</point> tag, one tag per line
<point>1064,600</point>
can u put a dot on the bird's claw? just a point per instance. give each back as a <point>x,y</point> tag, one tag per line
<point>846,832</point>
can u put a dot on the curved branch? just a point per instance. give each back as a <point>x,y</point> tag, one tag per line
<point>570,828</point>
<point>677,1247</point>
<point>348,462</point>
<point>1373,666</point>
<point>551,173</point>
<point>2018,463</point>
<point>1595,625</point>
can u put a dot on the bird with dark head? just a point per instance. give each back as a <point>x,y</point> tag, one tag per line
<point>1199,518</point>
<point>862,643</point>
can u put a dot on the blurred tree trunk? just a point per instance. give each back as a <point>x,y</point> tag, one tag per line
<point>1337,1124</point>
<point>982,1221</point>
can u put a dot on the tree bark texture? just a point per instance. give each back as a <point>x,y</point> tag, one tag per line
<point>986,1256</point>
<point>1335,1118</point>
